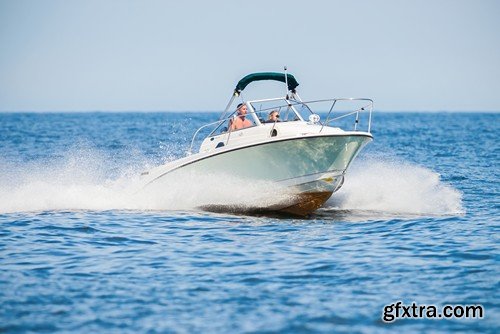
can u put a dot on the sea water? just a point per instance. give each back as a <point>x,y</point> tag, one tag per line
<point>417,220</point>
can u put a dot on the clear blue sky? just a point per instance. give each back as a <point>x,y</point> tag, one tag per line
<point>188,55</point>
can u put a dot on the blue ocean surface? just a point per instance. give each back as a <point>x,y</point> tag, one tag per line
<point>417,220</point>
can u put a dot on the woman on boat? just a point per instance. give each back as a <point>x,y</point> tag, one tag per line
<point>273,116</point>
<point>240,121</point>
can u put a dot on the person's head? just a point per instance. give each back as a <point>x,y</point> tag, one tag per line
<point>274,115</point>
<point>242,109</point>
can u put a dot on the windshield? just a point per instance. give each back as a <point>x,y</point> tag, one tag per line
<point>284,110</point>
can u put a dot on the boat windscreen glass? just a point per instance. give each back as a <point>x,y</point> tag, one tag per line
<point>268,110</point>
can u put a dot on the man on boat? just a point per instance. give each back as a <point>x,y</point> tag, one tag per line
<point>240,121</point>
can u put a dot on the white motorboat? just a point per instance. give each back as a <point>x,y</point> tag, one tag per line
<point>303,158</point>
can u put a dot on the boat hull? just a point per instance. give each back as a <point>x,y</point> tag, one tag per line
<point>309,169</point>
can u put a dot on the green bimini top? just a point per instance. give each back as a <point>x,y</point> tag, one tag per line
<point>292,83</point>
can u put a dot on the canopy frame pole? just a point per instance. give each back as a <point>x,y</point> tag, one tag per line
<point>295,94</point>
<point>286,82</point>
<point>235,94</point>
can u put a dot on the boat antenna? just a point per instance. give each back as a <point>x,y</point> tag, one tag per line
<point>286,82</point>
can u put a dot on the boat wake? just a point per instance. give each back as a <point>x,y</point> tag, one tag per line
<point>386,187</point>
<point>87,179</point>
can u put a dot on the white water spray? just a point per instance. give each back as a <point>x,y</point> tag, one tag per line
<point>395,187</point>
<point>82,180</point>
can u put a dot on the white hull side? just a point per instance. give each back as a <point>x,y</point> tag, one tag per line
<point>305,165</point>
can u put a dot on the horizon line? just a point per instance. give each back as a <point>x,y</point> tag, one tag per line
<point>218,111</point>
